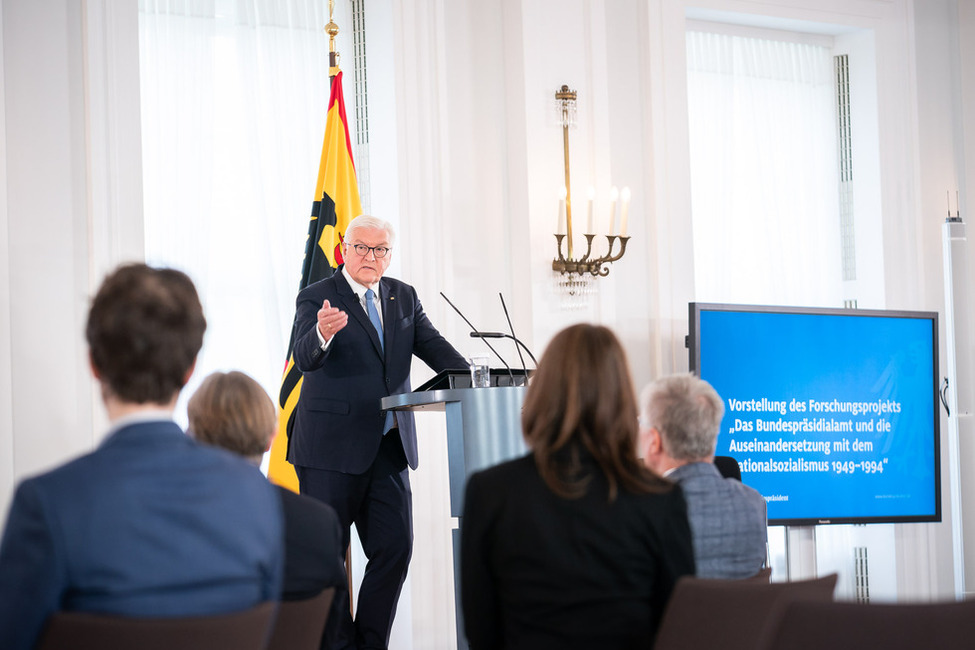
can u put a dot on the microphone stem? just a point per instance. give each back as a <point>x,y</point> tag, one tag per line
<point>527,351</point>
<point>473,329</point>
<point>511,328</point>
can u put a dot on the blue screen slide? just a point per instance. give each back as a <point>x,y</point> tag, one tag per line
<point>830,416</point>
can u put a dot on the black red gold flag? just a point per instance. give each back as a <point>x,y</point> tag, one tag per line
<point>336,203</point>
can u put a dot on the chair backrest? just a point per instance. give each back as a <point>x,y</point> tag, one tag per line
<point>728,467</point>
<point>730,614</point>
<point>300,623</point>
<point>764,576</point>
<point>848,625</point>
<point>246,630</point>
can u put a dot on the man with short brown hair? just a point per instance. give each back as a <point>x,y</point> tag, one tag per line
<point>151,523</point>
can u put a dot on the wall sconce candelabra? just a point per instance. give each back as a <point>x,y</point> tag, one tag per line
<point>567,263</point>
<point>586,264</point>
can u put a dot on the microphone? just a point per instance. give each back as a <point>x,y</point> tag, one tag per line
<point>511,328</point>
<point>474,330</point>
<point>502,335</point>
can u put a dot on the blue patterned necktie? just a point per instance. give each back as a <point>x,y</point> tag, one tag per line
<point>374,315</point>
<point>378,324</point>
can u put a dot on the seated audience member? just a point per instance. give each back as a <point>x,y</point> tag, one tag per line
<point>680,417</point>
<point>151,523</point>
<point>231,410</point>
<point>577,544</point>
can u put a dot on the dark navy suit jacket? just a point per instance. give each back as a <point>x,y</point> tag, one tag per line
<point>338,422</point>
<point>149,524</point>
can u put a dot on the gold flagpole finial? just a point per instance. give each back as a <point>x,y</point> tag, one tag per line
<point>333,30</point>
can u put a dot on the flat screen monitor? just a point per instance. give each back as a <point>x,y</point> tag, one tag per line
<point>832,414</point>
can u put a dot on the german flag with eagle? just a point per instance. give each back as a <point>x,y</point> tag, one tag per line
<point>336,204</point>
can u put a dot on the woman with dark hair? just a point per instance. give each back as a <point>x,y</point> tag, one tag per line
<point>577,544</point>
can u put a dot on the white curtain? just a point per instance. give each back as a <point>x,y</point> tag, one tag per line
<point>764,179</point>
<point>234,98</point>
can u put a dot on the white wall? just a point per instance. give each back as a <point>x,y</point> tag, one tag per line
<point>71,210</point>
<point>46,225</point>
<point>6,367</point>
<point>944,80</point>
<point>964,48</point>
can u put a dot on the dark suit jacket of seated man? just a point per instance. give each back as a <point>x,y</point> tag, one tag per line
<point>151,523</point>
<point>346,451</point>
<point>680,419</point>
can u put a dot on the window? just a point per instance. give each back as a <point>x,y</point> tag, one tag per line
<point>764,183</point>
<point>234,98</point>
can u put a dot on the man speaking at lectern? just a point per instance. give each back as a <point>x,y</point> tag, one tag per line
<point>355,336</point>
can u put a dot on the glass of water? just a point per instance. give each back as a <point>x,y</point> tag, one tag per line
<point>480,371</point>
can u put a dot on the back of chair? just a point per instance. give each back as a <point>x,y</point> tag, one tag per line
<point>246,630</point>
<point>847,625</point>
<point>764,576</point>
<point>728,467</point>
<point>730,614</point>
<point>300,623</point>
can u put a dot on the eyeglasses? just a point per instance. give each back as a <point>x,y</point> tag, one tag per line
<point>379,251</point>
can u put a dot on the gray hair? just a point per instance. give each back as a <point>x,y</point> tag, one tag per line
<point>687,412</point>
<point>369,221</point>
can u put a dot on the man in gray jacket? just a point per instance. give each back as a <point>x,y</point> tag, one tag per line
<point>680,417</point>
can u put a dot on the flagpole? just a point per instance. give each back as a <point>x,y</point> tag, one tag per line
<point>335,203</point>
<point>333,70</point>
<point>332,30</point>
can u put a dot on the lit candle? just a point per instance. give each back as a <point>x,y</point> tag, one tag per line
<point>589,221</point>
<point>624,210</point>
<point>561,224</point>
<point>613,195</point>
